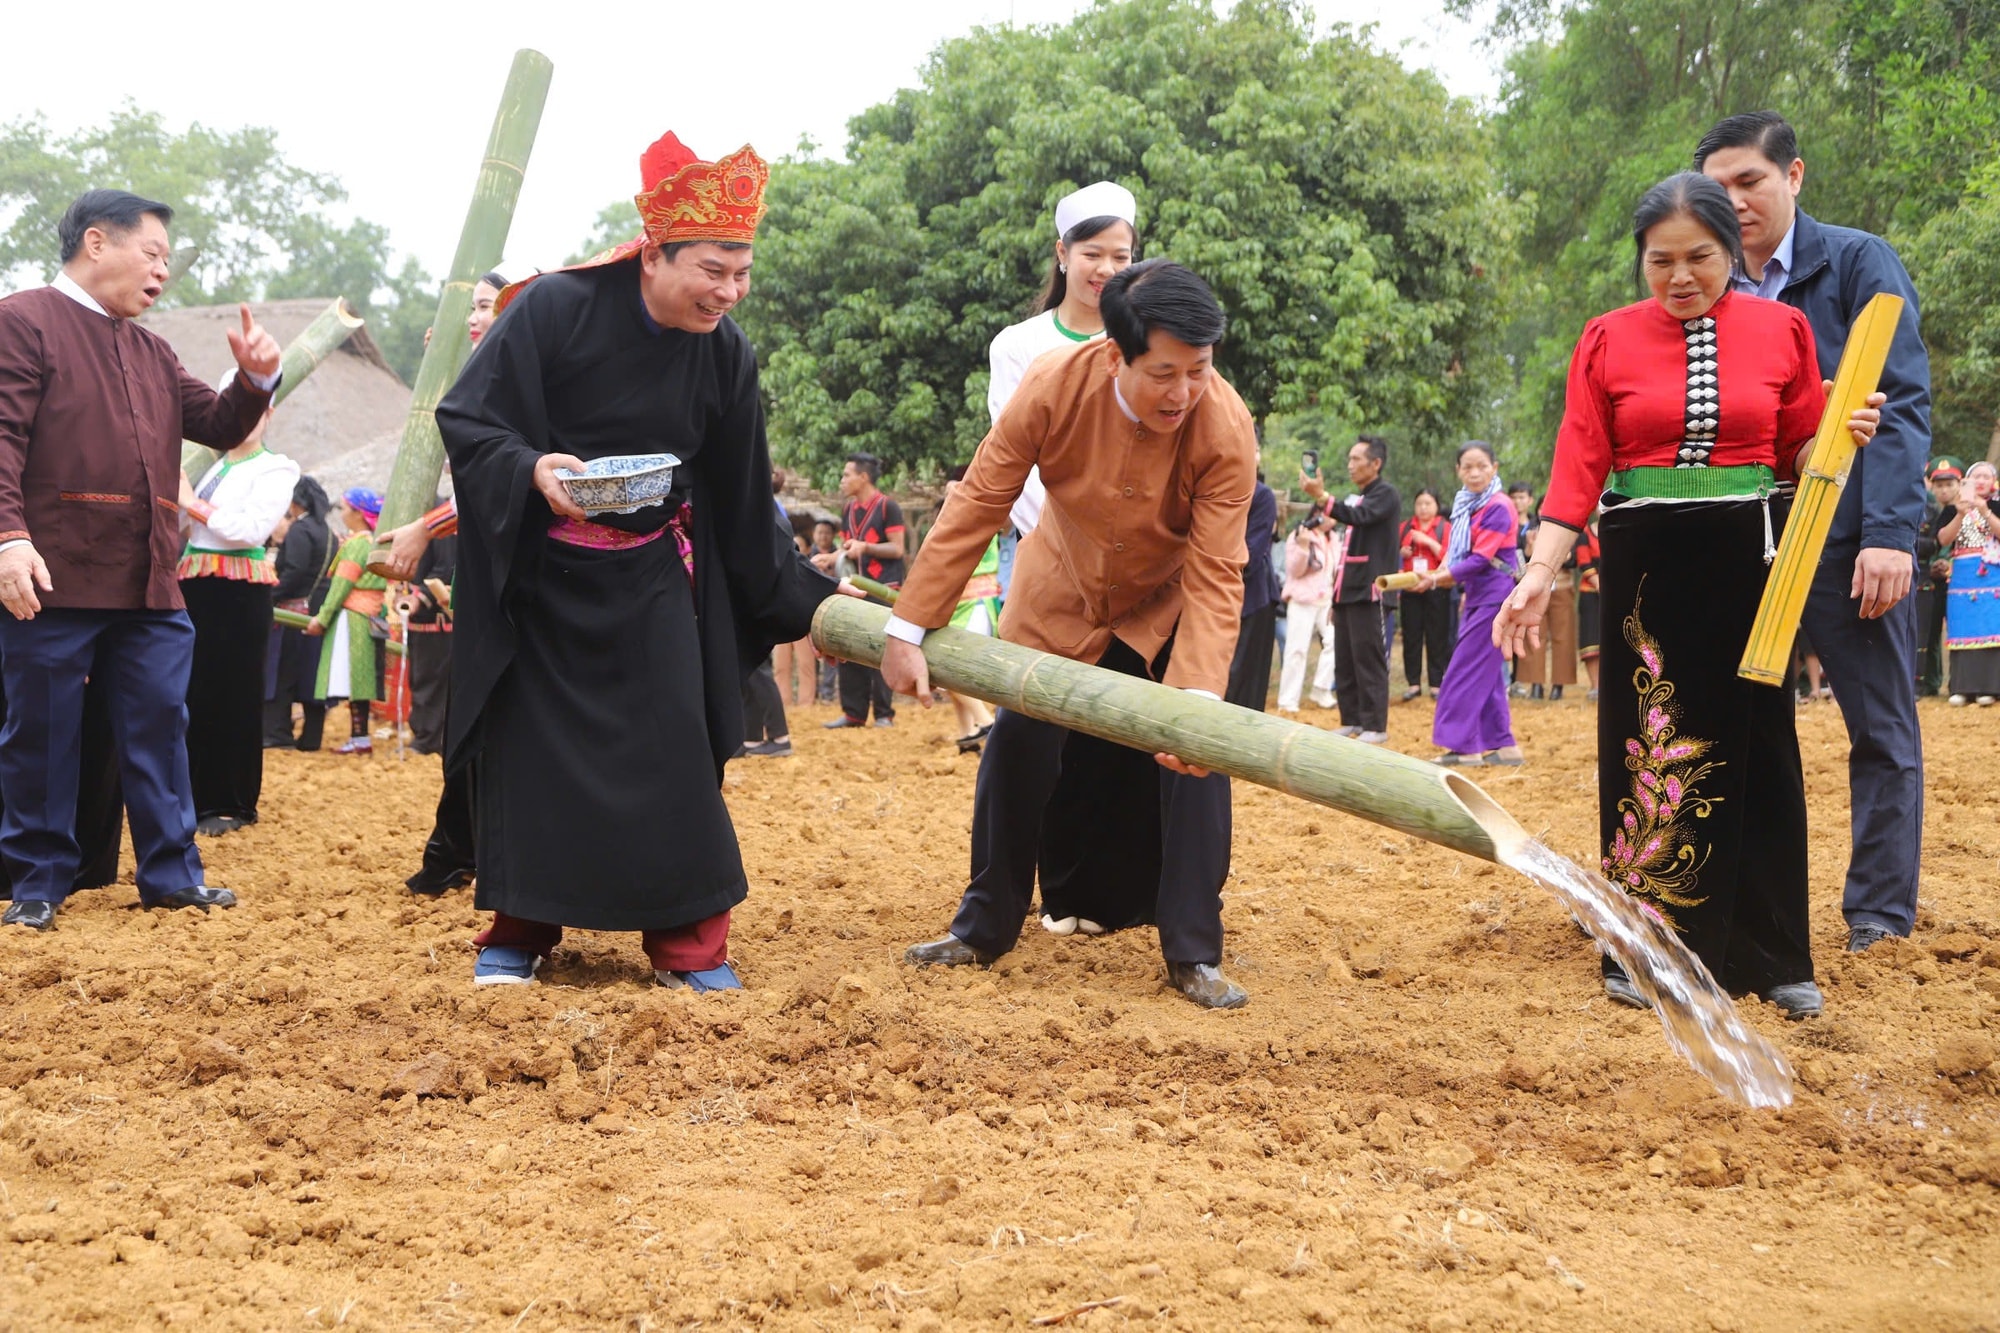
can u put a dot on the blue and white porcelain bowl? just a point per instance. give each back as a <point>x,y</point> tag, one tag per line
<point>621,483</point>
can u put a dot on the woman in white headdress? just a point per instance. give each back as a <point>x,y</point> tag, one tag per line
<point>1097,235</point>
<point>1098,862</point>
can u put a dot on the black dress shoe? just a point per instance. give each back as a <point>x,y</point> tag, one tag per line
<point>1206,986</point>
<point>197,895</point>
<point>951,951</point>
<point>35,916</point>
<point>431,883</point>
<point>1865,937</point>
<point>216,825</point>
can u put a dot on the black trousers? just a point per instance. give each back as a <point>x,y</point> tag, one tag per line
<point>764,707</point>
<point>430,688</point>
<point>1930,631</point>
<point>1360,665</point>
<point>1429,630</point>
<point>449,849</point>
<point>1019,772</point>
<point>225,699</point>
<point>859,687</point>
<point>1250,670</point>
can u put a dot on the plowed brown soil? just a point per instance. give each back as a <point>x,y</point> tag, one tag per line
<point>300,1114</point>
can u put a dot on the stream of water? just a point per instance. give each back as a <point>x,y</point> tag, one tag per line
<point>1700,1019</point>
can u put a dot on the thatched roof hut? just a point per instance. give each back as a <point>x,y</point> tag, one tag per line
<point>343,425</point>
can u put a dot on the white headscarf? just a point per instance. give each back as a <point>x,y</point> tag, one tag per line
<point>1106,199</point>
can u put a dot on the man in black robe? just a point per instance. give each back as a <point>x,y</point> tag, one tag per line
<point>593,707</point>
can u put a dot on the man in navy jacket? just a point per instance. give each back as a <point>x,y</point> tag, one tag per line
<point>1859,615</point>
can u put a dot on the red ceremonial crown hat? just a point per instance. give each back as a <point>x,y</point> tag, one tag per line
<point>685,199</point>
<point>682,198</point>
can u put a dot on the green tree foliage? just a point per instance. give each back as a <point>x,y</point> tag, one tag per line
<point>258,220</point>
<point>1897,104</point>
<point>1342,207</point>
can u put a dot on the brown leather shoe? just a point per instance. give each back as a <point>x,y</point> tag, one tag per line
<point>1206,986</point>
<point>951,951</point>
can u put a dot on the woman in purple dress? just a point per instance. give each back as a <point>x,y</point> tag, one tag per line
<point>1473,723</point>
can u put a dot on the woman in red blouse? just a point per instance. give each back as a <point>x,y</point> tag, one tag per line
<point>1688,413</point>
<point>1428,621</point>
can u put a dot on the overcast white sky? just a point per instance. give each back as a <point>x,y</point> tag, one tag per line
<point>353,87</point>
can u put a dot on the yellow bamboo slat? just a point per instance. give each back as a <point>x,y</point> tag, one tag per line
<point>1396,582</point>
<point>1767,658</point>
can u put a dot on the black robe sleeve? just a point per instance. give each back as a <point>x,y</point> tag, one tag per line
<point>494,422</point>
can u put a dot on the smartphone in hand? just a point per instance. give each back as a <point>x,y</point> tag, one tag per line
<point>1309,462</point>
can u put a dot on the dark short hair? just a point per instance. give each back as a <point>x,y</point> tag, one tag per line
<point>1689,194</point>
<point>1484,448</point>
<point>825,523</point>
<point>494,280</point>
<point>1159,294</point>
<point>672,248</point>
<point>114,212</point>
<point>1422,491</point>
<point>868,463</point>
<point>1766,131</point>
<point>1378,448</point>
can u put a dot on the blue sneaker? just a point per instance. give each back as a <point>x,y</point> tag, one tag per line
<point>708,979</point>
<point>505,965</point>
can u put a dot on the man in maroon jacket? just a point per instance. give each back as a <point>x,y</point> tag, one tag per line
<point>93,409</point>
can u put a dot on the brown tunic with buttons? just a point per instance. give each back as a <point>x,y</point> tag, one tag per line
<point>1141,535</point>
<point>93,410</point>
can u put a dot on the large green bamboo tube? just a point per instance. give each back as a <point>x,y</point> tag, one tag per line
<point>315,343</point>
<point>298,620</point>
<point>420,458</point>
<point>1367,781</point>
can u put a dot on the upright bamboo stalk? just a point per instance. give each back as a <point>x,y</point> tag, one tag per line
<point>1767,657</point>
<point>420,458</point>
<point>1375,784</point>
<point>319,340</point>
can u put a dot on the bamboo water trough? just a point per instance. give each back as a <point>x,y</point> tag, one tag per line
<point>1375,784</point>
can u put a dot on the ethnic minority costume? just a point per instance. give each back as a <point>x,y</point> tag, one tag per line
<point>449,851</point>
<point>227,578</point>
<point>1972,609</point>
<point>1701,801</point>
<point>593,707</point>
<point>1483,557</point>
<point>350,663</point>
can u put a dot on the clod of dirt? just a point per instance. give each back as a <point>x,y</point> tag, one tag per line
<point>209,1059</point>
<point>940,1191</point>
<point>1963,1053</point>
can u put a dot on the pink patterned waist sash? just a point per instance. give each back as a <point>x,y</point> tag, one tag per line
<point>597,537</point>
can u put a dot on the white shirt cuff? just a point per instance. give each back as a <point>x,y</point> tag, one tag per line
<point>16,541</point>
<point>1206,694</point>
<point>897,628</point>
<point>265,383</point>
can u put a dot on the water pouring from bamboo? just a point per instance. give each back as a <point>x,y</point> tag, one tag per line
<point>1367,781</point>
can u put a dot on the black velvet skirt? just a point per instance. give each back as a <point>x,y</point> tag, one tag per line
<point>1701,800</point>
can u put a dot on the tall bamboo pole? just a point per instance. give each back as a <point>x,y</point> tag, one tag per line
<point>315,343</point>
<point>1373,783</point>
<point>420,458</point>
<point>1767,657</point>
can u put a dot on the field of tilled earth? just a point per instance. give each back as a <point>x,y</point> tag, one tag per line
<point>301,1114</point>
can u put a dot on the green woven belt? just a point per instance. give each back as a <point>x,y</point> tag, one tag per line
<point>1692,483</point>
